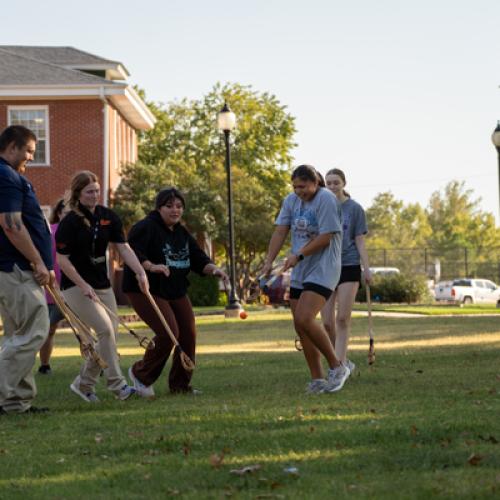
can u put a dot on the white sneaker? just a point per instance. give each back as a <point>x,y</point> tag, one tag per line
<point>89,397</point>
<point>316,386</point>
<point>351,366</point>
<point>145,391</point>
<point>336,378</point>
<point>125,392</point>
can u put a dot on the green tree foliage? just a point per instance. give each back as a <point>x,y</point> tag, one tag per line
<point>457,221</point>
<point>185,149</point>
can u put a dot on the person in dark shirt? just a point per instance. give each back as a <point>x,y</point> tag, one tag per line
<point>82,239</point>
<point>25,266</point>
<point>168,252</point>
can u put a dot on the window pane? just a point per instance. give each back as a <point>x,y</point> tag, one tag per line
<point>35,120</point>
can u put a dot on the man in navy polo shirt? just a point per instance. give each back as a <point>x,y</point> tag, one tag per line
<point>25,266</point>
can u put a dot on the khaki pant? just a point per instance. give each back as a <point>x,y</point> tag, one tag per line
<point>106,328</point>
<point>26,326</point>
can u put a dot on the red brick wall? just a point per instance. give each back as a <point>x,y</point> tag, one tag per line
<point>76,143</point>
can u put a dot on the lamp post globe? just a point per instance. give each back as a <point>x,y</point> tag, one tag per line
<point>495,138</point>
<point>226,121</point>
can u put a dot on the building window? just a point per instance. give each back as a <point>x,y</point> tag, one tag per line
<point>36,118</point>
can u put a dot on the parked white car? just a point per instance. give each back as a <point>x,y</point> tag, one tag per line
<point>468,291</point>
<point>384,271</point>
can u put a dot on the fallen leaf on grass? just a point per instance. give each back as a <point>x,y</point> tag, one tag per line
<point>172,493</point>
<point>248,469</point>
<point>98,438</point>
<point>413,430</point>
<point>474,459</point>
<point>61,460</point>
<point>216,460</point>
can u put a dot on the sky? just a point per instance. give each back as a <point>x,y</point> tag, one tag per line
<point>401,95</point>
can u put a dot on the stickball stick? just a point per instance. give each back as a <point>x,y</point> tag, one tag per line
<point>371,350</point>
<point>186,361</point>
<point>144,342</point>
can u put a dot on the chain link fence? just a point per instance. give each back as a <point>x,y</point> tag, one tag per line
<point>441,265</point>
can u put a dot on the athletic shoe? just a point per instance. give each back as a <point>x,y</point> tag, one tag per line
<point>316,386</point>
<point>336,378</point>
<point>125,392</point>
<point>351,366</point>
<point>45,370</point>
<point>145,391</point>
<point>89,397</point>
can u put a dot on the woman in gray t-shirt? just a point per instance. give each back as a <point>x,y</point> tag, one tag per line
<point>316,241</point>
<point>353,254</point>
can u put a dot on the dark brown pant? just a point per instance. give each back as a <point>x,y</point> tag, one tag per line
<point>180,317</point>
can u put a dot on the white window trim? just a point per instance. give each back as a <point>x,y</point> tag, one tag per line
<point>47,139</point>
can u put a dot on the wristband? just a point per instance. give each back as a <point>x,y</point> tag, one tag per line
<point>300,256</point>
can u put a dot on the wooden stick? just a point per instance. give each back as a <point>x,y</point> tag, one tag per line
<point>143,341</point>
<point>81,331</point>
<point>186,361</point>
<point>371,350</point>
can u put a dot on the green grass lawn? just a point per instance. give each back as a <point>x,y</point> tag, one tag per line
<point>423,422</point>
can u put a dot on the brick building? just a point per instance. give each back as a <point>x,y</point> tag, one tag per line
<point>83,111</point>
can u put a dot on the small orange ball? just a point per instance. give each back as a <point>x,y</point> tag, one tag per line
<point>243,315</point>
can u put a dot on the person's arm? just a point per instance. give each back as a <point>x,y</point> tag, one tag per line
<point>360,245</point>
<point>275,244</point>
<point>212,270</point>
<point>70,271</point>
<point>129,257</point>
<point>313,246</point>
<point>18,235</point>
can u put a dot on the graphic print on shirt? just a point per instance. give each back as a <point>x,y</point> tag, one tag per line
<point>305,224</point>
<point>179,258</point>
<point>346,222</point>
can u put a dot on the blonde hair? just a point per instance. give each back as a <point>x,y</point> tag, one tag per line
<point>78,182</point>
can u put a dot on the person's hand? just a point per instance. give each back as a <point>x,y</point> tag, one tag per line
<point>368,276</point>
<point>52,280</point>
<point>143,282</point>
<point>221,274</point>
<point>291,261</point>
<point>88,291</point>
<point>41,274</point>
<point>266,269</point>
<point>160,269</point>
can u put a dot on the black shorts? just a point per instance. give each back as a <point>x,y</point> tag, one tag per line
<point>350,274</point>
<point>310,287</point>
<point>55,314</point>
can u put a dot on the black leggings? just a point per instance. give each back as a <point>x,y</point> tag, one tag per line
<point>180,317</point>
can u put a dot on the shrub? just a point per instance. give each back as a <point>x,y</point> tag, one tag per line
<point>204,290</point>
<point>397,288</point>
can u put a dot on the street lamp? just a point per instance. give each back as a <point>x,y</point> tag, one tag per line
<point>495,138</point>
<point>226,122</point>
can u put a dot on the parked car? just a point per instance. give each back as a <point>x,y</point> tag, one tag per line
<point>384,271</point>
<point>468,291</point>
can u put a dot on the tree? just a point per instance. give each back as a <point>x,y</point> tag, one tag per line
<point>397,233</point>
<point>185,149</point>
<point>457,221</point>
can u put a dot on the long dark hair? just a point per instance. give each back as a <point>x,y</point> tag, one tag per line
<point>56,212</point>
<point>169,194</point>
<point>306,173</point>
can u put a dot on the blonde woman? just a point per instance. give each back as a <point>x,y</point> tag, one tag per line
<point>82,239</point>
<point>353,255</point>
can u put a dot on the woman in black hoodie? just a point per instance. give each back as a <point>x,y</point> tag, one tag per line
<point>168,253</point>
